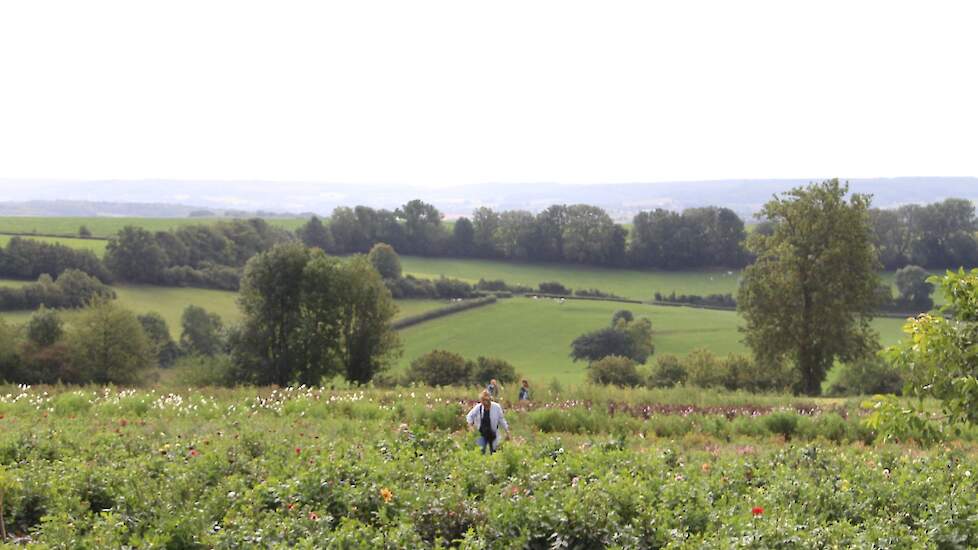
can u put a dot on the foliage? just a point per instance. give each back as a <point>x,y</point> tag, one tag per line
<point>158,333</point>
<point>308,315</point>
<point>668,372</point>
<point>439,368</point>
<point>202,332</point>
<point>310,467</point>
<point>31,258</point>
<point>868,377</point>
<point>385,260</point>
<point>914,288</point>
<point>811,294</point>
<point>72,289</point>
<point>554,287</point>
<point>108,345</point>
<point>484,369</point>
<point>614,370</point>
<point>315,234</point>
<point>45,327</point>
<point>632,339</point>
<point>938,357</point>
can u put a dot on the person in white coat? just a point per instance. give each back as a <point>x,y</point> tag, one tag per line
<point>486,419</point>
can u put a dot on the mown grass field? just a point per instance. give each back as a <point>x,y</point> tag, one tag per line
<point>627,283</point>
<point>95,245</point>
<point>171,301</point>
<point>535,335</point>
<point>107,226</point>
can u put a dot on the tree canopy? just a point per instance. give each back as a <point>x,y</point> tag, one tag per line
<point>811,293</point>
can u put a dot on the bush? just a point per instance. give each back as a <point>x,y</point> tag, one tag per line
<point>724,301</point>
<point>485,369</point>
<point>385,260</point>
<point>411,287</point>
<point>553,287</point>
<point>744,373</point>
<point>782,423</point>
<point>439,368</point>
<point>593,293</point>
<point>667,373</point>
<point>614,370</point>
<point>441,312</point>
<point>870,377</point>
<point>452,288</point>
<point>704,369</point>
<point>72,289</point>
<point>200,370</point>
<point>622,314</point>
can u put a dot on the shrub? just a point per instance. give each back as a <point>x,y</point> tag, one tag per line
<point>411,287</point>
<point>452,288</point>
<point>485,369</point>
<point>108,345</point>
<point>622,315</point>
<point>704,369</point>
<point>553,287</point>
<point>782,423</point>
<point>385,260</point>
<point>439,368</point>
<point>201,370</point>
<point>667,372</point>
<point>44,327</point>
<point>743,372</point>
<point>615,370</point>
<point>873,376</point>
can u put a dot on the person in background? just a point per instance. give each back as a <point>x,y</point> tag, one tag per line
<point>487,417</point>
<point>525,391</point>
<point>493,388</point>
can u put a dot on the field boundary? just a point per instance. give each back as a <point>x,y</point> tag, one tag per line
<point>457,307</point>
<point>586,298</point>
<point>55,236</point>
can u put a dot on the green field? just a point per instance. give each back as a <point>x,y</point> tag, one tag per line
<point>108,226</point>
<point>95,245</point>
<point>627,283</point>
<point>535,335</point>
<point>171,301</point>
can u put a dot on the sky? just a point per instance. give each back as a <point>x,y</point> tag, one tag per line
<point>443,93</point>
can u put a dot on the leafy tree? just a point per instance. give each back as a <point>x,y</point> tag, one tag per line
<point>316,235</point>
<point>869,377</point>
<point>10,361</point>
<point>108,345</point>
<point>158,333</point>
<point>84,232</point>
<point>639,334</point>
<point>588,235</point>
<point>422,226</point>
<point>668,372</point>
<point>367,310</point>
<point>614,370</point>
<point>914,288</point>
<point>45,327</point>
<point>626,339</point>
<point>134,255</point>
<point>439,368</point>
<point>551,224</point>
<point>201,331</point>
<point>485,369</point>
<point>348,234</point>
<point>622,315</point>
<point>485,222</point>
<point>811,294</point>
<point>937,359</point>
<point>516,236</point>
<point>463,237</point>
<point>385,260</point>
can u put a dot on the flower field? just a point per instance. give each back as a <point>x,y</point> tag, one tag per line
<point>313,468</point>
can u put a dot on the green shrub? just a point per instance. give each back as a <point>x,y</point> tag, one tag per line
<point>614,370</point>
<point>704,369</point>
<point>439,368</point>
<point>668,372</point>
<point>782,423</point>
<point>743,372</point>
<point>553,287</point>
<point>485,369</point>
<point>871,377</point>
<point>203,370</point>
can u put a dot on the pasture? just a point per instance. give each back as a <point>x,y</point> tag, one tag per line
<point>95,245</point>
<point>535,335</point>
<point>171,301</point>
<point>108,226</point>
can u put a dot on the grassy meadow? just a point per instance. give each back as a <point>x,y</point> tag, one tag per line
<point>171,301</point>
<point>95,245</point>
<point>535,335</point>
<point>107,226</point>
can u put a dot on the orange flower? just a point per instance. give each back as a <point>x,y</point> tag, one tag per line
<point>387,495</point>
<point>705,467</point>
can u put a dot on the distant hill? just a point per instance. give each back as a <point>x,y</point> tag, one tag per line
<point>164,198</point>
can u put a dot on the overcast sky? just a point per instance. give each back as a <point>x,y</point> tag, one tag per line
<point>455,92</point>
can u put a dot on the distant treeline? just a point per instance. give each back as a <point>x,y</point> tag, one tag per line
<point>212,255</point>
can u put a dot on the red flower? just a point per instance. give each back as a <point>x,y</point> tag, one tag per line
<point>298,451</point>
<point>194,452</point>
<point>313,516</point>
<point>757,511</point>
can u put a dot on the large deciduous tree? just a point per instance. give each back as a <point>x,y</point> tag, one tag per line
<point>811,294</point>
<point>309,315</point>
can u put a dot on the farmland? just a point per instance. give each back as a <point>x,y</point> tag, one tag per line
<point>105,227</point>
<point>535,335</point>
<point>312,468</point>
<point>171,301</point>
<point>95,245</point>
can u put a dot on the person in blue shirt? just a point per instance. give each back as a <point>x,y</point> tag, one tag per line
<point>525,391</point>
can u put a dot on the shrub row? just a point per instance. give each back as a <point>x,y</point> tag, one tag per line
<point>442,312</point>
<point>72,289</point>
<point>725,301</point>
